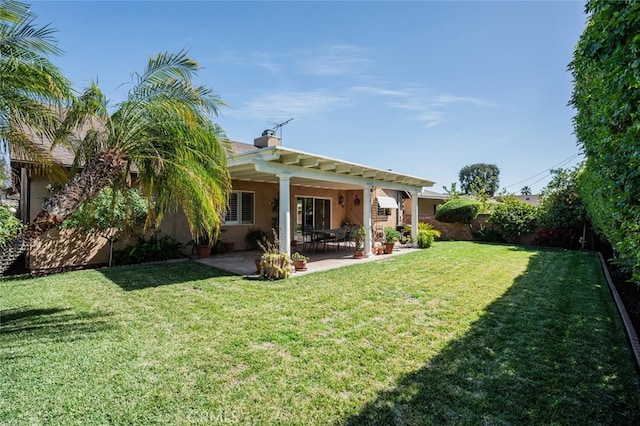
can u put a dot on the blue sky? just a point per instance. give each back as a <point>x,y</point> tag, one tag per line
<point>422,88</point>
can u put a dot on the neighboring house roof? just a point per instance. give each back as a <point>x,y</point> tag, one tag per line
<point>241,147</point>
<point>425,193</point>
<point>533,200</point>
<point>307,169</point>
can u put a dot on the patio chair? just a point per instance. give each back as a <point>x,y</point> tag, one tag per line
<point>308,237</point>
<point>341,238</point>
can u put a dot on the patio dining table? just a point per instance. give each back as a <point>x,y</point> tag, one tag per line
<point>324,236</point>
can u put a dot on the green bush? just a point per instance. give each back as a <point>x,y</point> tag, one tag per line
<point>126,211</point>
<point>152,250</point>
<point>514,217</point>
<point>10,226</point>
<point>606,73</point>
<point>425,239</point>
<point>458,210</point>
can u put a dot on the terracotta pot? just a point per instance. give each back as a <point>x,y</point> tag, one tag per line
<point>359,254</point>
<point>380,250</point>
<point>300,265</point>
<point>203,251</point>
<point>228,247</point>
<point>388,247</point>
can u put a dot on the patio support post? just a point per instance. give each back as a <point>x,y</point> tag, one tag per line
<point>284,233</point>
<point>414,218</point>
<point>366,201</point>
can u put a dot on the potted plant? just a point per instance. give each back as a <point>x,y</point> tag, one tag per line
<point>299,261</point>
<point>391,236</point>
<point>201,244</point>
<point>358,239</point>
<point>254,237</point>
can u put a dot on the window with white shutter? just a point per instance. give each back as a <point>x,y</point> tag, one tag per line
<point>240,209</point>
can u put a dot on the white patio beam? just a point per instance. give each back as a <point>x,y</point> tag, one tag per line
<point>310,162</point>
<point>290,159</point>
<point>328,176</point>
<point>328,166</point>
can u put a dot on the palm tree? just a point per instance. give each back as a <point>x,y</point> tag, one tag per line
<point>525,190</point>
<point>162,132</point>
<point>31,87</point>
<point>31,91</point>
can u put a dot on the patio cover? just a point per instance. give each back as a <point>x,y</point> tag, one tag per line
<point>284,166</point>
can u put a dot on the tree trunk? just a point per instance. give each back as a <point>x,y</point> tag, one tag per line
<point>98,174</point>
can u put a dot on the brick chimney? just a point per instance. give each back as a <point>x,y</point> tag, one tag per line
<point>267,139</point>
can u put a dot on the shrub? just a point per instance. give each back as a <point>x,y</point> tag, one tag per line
<point>10,226</point>
<point>126,211</point>
<point>514,217</point>
<point>458,210</point>
<point>152,250</point>
<point>425,239</point>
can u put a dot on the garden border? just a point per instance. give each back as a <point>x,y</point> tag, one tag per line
<point>631,332</point>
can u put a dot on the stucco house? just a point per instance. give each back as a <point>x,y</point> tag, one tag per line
<point>271,185</point>
<point>428,203</point>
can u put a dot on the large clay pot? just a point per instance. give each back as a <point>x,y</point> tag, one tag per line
<point>203,251</point>
<point>300,265</point>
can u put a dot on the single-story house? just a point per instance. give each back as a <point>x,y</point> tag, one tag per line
<point>428,203</point>
<point>272,187</point>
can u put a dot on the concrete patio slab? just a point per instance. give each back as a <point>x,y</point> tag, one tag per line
<point>243,262</point>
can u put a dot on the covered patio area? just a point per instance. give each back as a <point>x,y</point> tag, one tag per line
<point>243,262</point>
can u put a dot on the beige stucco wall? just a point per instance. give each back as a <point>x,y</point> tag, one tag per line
<point>266,195</point>
<point>66,248</point>
<point>38,195</point>
<point>426,209</point>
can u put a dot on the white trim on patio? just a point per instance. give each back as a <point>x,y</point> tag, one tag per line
<point>286,167</point>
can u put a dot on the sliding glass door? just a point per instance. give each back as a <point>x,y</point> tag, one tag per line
<point>313,213</point>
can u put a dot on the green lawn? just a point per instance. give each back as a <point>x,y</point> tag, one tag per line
<point>461,333</point>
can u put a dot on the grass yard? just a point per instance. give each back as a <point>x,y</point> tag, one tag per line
<point>461,333</point>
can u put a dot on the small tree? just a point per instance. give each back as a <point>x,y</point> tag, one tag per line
<point>562,213</point>
<point>479,177</point>
<point>452,191</point>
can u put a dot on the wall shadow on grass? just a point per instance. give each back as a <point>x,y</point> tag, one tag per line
<point>24,325</point>
<point>139,277</point>
<point>549,351</point>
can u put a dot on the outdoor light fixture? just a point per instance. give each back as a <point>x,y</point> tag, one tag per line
<point>341,200</point>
